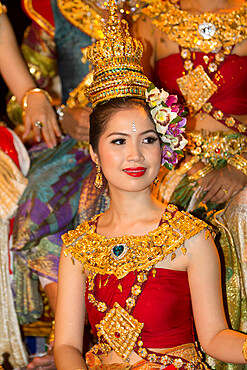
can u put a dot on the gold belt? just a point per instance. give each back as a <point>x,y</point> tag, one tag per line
<point>186,351</point>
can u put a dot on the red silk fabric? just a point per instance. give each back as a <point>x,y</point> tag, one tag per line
<point>7,145</point>
<point>164,306</point>
<point>231,79</point>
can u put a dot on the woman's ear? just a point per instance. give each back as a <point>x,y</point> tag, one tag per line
<point>93,154</point>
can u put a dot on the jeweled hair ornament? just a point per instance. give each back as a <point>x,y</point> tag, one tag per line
<point>118,73</point>
<point>117,63</point>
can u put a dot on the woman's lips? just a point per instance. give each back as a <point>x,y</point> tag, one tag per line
<point>135,171</point>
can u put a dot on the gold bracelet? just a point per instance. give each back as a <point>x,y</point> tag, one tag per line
<point>24,103</point>
<point>238,162</point>
<point>188,165</point>
<point>244,350</point>
<point>201,173</point>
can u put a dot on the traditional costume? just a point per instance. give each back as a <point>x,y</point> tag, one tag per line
<point>131,304</point>
<point>49,205</point>
<point>210,79</point>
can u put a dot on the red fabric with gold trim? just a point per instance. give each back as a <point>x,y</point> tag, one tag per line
<point>230,98</point>
<point>41,7</point>
<point>164,306</point>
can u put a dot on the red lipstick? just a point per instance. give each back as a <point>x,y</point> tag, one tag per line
<point>135,171</point>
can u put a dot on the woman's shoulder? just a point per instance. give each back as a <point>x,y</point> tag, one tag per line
<point>183,222</point>
<point>82,229</point>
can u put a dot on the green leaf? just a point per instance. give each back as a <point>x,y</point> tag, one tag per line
<point>176,120</point>
<point>169,166</point>
<point>184,114</point>
<point>151,87</point>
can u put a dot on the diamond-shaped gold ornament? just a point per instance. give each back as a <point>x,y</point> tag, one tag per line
<point>197,88</point>
<point>120,330</point>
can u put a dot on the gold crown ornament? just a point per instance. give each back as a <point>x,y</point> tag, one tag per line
<point>116,60</point>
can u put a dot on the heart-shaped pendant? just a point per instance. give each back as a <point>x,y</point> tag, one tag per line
<point>119,250</point>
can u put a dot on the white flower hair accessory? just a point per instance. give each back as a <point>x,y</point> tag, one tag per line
<point>170,123</point>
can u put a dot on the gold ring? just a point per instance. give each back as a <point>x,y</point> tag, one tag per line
<point>39,124</point>
<point>225,191</point>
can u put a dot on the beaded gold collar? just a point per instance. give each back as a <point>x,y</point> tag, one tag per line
<point>119,256</point>
<point>205,32</point>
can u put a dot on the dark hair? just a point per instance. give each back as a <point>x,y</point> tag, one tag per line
<point>102,113</point>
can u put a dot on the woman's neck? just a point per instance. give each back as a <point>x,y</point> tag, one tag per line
<point>134,212</point>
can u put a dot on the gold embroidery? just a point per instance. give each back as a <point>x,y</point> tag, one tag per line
<point>120,329</point>
<point>119,256</point>
<point>77,97</point>
<point>224,30</point>
<point>82,16</point>
<point>197,88</point>
<point>213,146</point>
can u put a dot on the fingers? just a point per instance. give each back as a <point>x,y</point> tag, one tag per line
<point>45,125</point>
<point>46,362</point>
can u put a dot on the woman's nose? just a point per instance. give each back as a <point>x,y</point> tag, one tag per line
<point>135,153</point>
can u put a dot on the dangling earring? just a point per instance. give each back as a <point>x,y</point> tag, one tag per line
<point>98,183</point>
<point>156,181</point>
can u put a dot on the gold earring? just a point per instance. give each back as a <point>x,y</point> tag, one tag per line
<point>98,183</point>
<point>156,181</point>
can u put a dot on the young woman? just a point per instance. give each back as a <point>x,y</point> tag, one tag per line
<point>142,267</point>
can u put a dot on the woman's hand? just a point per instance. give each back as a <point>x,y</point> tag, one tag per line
<point>39,110</point>
<point>223,183</point>
<point>75,122</point>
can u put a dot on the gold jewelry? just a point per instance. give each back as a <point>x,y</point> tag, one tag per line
<point>121,337</point>
<point>98,183</point>
<point>244,350</point>
<point>34,91</point>
<point>39,124</point>
<point>3,9</point>
<point>238,162</point>
<point>119,256</point>
<point>206,32</point>
<point>224,190</point>
<point>188,165</point>
<point>201,173</point>
<point>156,181</point>
<point>117,63</point>
<point>196,87</point>
<point>215,146</point>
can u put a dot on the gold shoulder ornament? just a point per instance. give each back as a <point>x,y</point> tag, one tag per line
<point>119,256</point>
<point>206,32</point>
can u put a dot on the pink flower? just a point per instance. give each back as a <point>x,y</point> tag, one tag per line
<point>171,100</point>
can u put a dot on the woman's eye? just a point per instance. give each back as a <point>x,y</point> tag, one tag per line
<point>118,141</point>
<point>150,140</point>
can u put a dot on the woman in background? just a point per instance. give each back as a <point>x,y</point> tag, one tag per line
<point>197,50</point>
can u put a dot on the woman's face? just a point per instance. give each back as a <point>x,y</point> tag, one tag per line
<point>129,150</point>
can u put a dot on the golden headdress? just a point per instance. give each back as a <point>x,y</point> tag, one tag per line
<point>116,60</point>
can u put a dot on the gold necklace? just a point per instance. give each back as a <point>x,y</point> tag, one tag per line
<point>119,256</point>
<point>205,32</point>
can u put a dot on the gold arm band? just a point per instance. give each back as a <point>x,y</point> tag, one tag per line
<point>244,350</point>
<point>238,162</point>
<point>36,90</point>
<point>201,173</point>
<point>188,165</point>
